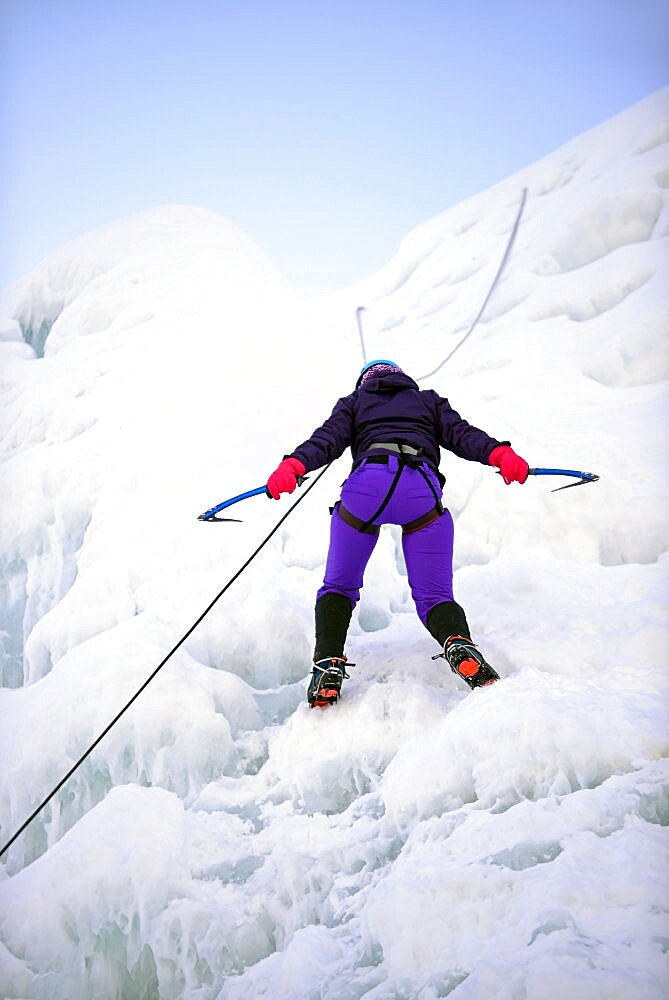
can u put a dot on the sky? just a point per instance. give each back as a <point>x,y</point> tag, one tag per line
<point>325,130</point>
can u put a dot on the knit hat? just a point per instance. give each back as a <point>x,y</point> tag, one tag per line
<point>378,367</point>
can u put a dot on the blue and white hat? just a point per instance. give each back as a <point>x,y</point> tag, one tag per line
<point>380,366</point>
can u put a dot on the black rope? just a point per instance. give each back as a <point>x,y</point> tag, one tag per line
<point>160,666</point>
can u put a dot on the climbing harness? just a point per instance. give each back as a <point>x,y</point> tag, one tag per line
<point>407,456</point>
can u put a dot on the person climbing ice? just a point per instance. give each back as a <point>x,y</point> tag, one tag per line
<point>394,431</point>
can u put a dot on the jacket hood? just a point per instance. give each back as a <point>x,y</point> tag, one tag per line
<point>388,383</point>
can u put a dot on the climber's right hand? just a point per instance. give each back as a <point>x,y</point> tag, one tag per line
<point>285,476</point>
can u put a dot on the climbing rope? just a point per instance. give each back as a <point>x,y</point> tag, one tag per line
<point>500,270</point>
<point>160,666</point>
<point>358,315</point>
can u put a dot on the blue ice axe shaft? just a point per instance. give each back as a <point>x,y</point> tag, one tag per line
<point>583,477</point>
<point>210,515</point>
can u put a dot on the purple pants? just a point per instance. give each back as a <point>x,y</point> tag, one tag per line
<point>428,552</point>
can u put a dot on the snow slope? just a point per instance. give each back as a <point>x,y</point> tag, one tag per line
<point>418,840</point>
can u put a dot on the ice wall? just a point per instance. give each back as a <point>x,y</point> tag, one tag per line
<point>223,840</point>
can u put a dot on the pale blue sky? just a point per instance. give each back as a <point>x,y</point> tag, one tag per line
<point>326,130</point>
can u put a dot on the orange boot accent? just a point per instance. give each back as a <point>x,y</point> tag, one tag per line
<point>468,668</point>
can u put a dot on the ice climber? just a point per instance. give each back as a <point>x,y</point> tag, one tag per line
<point>394,430</point>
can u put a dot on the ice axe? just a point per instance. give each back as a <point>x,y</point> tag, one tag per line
<point>582,477</point>
<point>210,515</point>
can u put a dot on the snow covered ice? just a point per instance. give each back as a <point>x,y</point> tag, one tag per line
<point>418,840</point>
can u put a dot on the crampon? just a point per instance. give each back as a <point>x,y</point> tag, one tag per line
<point>467,662</point>
<point>326,681</point>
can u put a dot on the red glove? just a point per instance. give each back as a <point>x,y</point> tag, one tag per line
<point>284,478</point>
<point>514,469</point>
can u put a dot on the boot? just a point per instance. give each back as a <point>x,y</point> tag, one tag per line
<point>446,619</point>
<point>326,680</point>
<point>465,660</point>
<point>333,616</point>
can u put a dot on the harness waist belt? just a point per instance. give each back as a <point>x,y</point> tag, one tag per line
<point>399,449</point>
<point>384,459</point>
